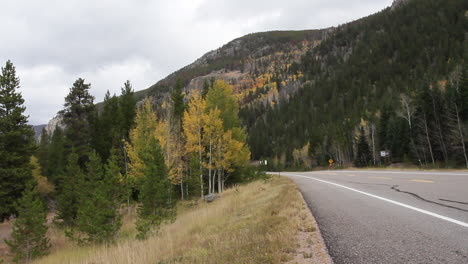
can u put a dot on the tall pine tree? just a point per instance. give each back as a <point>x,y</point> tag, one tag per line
<point>178,100</point>
<point>42,152</point>
<point>70,192</point>
<point>16,142</point>
<point>56,157</point>
<point>364,155</point>
<point>77,115</point>
<point>98,218</point>
<point>157,201</point>
<point>127,108</point>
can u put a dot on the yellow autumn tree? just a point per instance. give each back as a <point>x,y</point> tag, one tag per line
<point>229,154</point>
<point>145,129</point>
<point>213,130</point>
<point>231,149</point>
<point>44,187</point>
<point>192,129</point>
<point>168,132</point>
<point>301,156</point>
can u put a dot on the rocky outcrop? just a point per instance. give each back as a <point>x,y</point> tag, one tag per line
<point>54,123</point>
<point>49,127</point>
<point>38,131</point>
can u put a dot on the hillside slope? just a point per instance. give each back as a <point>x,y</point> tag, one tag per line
<point>244,62</point>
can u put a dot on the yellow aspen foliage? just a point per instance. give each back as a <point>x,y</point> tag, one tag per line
<point>168,133</point>
<point>231,152</point>
<point>213,130</point>
<point>193,124</point>
<point>44,187</point>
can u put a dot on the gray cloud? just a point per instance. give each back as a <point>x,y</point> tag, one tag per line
<point>53,42</point>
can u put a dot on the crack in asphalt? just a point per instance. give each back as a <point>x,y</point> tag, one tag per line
<point>365,183</point>
<point>445,200</point>
<point>395,188</point>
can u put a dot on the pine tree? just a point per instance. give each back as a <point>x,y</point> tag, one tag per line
<point>206,88</point>
<point>56,157</point>
<point>94,173</point>
<point>463,91</point>
<point>28,239</point>
<point>42,152</point>
<point>157,201</point>
<point>178,100</point>
<point>98,218</point>
<point>383,128</point>
<point>16,142</point>
<point>364,155</point>
<point>77,115</point>
<point>109,126</point>
<point>127,108</point>
<point>70,192</point>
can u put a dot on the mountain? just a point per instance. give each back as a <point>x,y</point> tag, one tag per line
<point>243,61</point>
<point>323,88</point>
<point>253,64</point>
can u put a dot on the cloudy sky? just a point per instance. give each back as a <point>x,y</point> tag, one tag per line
<point>53,42</point>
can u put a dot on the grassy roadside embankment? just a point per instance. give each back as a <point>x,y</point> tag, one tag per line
<point>261,222</point>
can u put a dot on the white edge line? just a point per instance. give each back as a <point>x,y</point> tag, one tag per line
<point>451,220</point>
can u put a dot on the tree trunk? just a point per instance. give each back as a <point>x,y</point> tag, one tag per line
<point>428,139</point>
<point>200,161</point>
<point>213,181</point>
<point>219,181</point>
<point>189,175</point>
<point>126,174</point>
<point>181,189</point>
<point>462,138</point>
<point>209,171</point>
<point>415,149</point>
<point>441,139</point>
<point>373,144</point>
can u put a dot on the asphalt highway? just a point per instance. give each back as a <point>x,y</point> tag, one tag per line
<point>389,216</point>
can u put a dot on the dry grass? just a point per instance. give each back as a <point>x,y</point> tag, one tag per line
<point>255,223</point>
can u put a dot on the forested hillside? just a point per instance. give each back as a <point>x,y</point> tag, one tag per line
<point>395,81</point>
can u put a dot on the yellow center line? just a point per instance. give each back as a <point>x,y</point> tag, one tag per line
<point>351,175</point>
<point>422,181</point>
<point>386,178</point>
<point>326,173</point>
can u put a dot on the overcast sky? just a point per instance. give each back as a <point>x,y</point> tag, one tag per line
<point>54,42</point>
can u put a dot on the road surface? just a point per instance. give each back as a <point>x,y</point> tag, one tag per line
<point>390,216</point>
